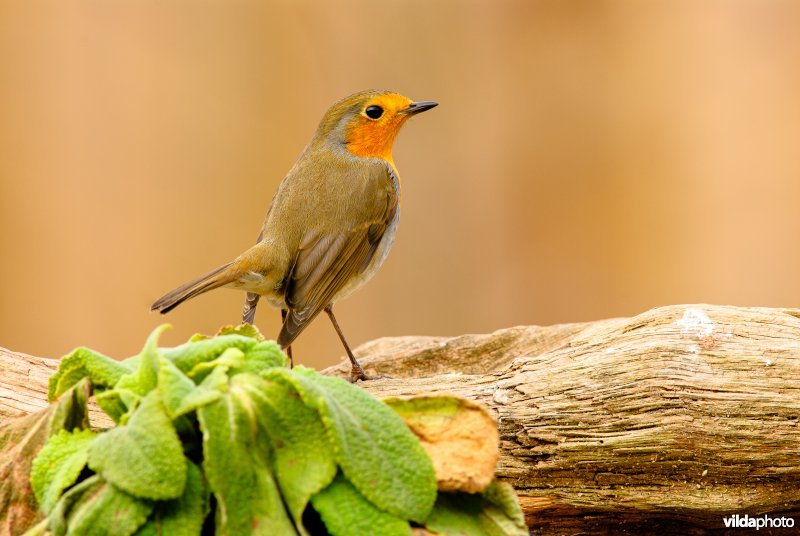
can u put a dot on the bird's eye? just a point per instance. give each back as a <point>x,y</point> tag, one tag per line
<point>374,112</point>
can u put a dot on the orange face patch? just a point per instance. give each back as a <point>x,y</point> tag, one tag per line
<point>372,135</point>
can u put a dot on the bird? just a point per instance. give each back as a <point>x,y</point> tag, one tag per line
<point>330,224</point>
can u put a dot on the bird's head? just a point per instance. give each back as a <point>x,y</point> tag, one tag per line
<point>367,123</point>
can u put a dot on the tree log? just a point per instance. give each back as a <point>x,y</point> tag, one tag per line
<point>665,422</point>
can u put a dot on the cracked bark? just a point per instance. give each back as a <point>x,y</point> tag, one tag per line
<point>664,422</point>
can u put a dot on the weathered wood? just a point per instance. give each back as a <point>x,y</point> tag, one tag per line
<point>665,422</point>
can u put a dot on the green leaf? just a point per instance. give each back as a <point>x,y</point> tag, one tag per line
<point>145,377</point>
<point>231,358</point>
<point>112,402</point>
<point>496,512</point>
<point>183,516</point>
<point>246,330</point>
<point>58,465</point>
<point>71,410</point>
<point>96,507</point>
<point>346,512</point>
<point>234,461</point>
<point>84,363</point>
<point>179,393</point>
<point>144,457</point>
<point>148,529</point>
<point>375,449</point>
<point>264,355</point>
<point>188,355</point>
<point>302,458</point>
<point>217,380</point>
<point>502,496</point>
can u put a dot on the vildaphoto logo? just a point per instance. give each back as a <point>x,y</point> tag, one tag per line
<point>761,522</point>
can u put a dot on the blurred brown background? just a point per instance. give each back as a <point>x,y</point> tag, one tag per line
<point>588,159</point>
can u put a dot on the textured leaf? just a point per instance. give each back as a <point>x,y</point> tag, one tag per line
<point>58,465</point>
<point>503,496</point>
<point>375,449</point>
<point>234,462</point>
<point>183,516</point>
<point>71,411</point>
<point>84,363</point>
<point>95,507</point>
<point>262,356</point>
<point>302,458</point>
<point>116,403</point>
<point>229,359</point>
<point>346,512</point>
<point>179,392</point>
<point>188,355</point>
<point>494,513</point>
<point>148,529</point>
<point>245,330</point>
<point>217,380</point>
<point>145,377</point>
<point>144,457</point>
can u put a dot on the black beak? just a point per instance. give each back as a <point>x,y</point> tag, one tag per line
<point>417,107</point>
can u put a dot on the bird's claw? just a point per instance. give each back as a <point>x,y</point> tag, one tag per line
<point>357,373</point>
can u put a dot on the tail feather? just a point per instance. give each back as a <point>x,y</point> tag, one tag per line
<point>293,324</point>
<point>213,279</point>
<point>249,310</point>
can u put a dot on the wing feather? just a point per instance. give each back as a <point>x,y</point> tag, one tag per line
<point>326,262</point>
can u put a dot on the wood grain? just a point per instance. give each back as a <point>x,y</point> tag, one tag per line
<point>663,422</point>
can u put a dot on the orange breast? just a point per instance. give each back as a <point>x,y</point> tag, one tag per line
<point>373,140</point>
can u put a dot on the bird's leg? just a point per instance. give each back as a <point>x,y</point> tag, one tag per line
<point>284,312</point>
<point>249,310</point>
<point>356,372</point>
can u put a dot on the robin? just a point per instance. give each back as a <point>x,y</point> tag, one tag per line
<point>329,226</point>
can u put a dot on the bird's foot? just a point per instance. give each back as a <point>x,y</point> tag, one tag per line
<point>357,373</point>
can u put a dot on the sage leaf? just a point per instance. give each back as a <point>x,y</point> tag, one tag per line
<point>144,457</point>
<point>71,411</point>
<point>235,454</point>
<point>302,458</point>
<point>117,403</point>
<point>496,512</point>
<point>262,356</point>
<point>185,515</point>
<point>190,354</point>
<point>346,512</point>
<point>145,377</point>
<point>84,363</point>
<point>231,358</point>
<point>179,392</point>
<point>246,330</point>
<point>97,508</point>
<point>375,449</point>
<point>58,465</point>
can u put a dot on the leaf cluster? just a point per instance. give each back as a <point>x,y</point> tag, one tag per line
<point>219,436</point>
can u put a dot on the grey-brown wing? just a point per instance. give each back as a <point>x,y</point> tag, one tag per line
<point>327,262</point>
